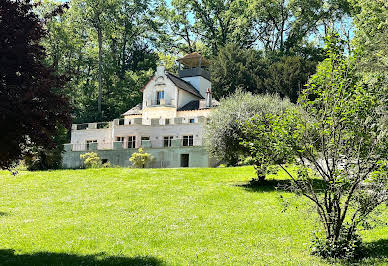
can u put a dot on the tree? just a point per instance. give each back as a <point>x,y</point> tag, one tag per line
<point>127,58</point>
<point>372,32</point>
<point>31,106</point>
<point>234,68</point>
<point>288,75</point>
<point>224,129</point>
<point>249,70</point>
<point>342,144</point>
<point>277,25</point>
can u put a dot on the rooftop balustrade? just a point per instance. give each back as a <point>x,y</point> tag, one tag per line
<point>160,143</point>
<point>139,121</point>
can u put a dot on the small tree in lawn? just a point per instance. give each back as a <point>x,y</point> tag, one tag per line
<point>140,158</point>
<point>343,144</point>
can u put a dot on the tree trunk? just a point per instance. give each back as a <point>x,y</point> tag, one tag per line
<point>99,33</point>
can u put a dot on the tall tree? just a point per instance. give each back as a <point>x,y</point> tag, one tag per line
<point>31,105</point>
<point>276,25</point>
<point>249,70</point>
<point>124,62</point>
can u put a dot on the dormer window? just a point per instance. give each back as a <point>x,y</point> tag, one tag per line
<point>159,97</point>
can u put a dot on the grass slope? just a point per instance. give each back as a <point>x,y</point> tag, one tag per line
<point>156,217</point>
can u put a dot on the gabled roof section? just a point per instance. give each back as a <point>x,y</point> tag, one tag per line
<point>184,85</point>
<point>137,110</point>
<point>194,105</point>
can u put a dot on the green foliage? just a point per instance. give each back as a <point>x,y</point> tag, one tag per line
<point>346,247</point>
<point>127,60</point>
<point>249,70</point>
<point>224,130</point>
<point>43,158</point>
<point>282,26</point>
<point>342,141</point>
<point>234,68</point>
<point>264,137</point>
<point>140,159</point>
<point>370,18</point>
<point>91,160</point>
<point>288,75</point>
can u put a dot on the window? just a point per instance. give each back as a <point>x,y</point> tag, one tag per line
<point>131,142</point>
<point>167,141</point>
<point>167,121</point>
<point>120,139</point>
<point>145,138</point>
<point>159,96</point>
<point>89,142</point>
<point>188,140</point>
<point>191,120</point>
<point>121,122</point>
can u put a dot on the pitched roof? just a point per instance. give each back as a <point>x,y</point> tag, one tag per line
<point>194,105</point>
<point>135,110</point>
<point>184,85</point>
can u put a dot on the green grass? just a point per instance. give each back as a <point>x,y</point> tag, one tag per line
<point>157,217</point>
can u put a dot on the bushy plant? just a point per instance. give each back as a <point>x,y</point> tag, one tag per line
<point>224,130</point>
<point>342,144</point>
<point>140,158</point>
<point>347,247</point>
<point>91,160</point>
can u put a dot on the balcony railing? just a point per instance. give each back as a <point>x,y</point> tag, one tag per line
<point>120,145</point>
<point>193,72</point>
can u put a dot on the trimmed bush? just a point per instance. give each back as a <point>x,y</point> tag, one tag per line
<point>91,160</point>
<point>140,158</point>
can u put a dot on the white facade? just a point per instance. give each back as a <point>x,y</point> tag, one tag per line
<point>172,108</point>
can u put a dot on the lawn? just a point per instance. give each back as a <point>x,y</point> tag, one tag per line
<point>157,217</point>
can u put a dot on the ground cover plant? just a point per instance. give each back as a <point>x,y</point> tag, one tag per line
<point>158,217</point>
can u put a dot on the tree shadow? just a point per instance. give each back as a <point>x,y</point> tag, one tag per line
<point>377,249</point>
<point>8,257</point>
<point>269,185</point>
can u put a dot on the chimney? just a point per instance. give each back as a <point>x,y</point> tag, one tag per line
<point>208,98</point>
<point>160,71</point>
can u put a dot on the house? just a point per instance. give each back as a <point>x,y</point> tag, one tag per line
<point>169,122</point>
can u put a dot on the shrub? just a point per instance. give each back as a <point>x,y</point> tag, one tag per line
<point>140,158</point>
<point>347,247</point>
<point>224,129</point>
<point>91,160</point>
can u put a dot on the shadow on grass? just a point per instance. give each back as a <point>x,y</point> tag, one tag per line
<point>8,257</point>
<point>377,249</point>
<point>3,214</point>
<point>276,185</point>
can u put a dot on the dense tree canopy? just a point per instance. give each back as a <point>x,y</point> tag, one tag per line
<point>104,47</point>
<point>250,70</point>
<point>31,106</point>
<point>270,25</point>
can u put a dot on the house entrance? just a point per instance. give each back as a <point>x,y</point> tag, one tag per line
<point>184,160</point>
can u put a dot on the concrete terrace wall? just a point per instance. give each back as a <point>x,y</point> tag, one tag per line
<point>163,157</point>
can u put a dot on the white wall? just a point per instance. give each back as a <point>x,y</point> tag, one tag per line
<point>185,97</point>
<point>200,83</point>
<point>103,137</point>
<point>158,84</point>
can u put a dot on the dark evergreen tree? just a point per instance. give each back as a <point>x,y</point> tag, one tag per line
<point>31,106</point>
